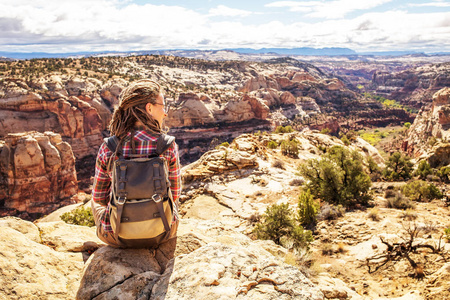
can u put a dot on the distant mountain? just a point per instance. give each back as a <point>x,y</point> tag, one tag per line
<point>241,53</point>
<point>298,51</point>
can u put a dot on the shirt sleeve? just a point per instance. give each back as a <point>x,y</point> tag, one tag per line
<point>175,176</point>
<point>102,180</point>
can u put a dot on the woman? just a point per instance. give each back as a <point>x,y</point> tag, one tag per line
<point>140,115</point>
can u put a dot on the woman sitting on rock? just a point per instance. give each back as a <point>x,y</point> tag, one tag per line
<point>137,123</point>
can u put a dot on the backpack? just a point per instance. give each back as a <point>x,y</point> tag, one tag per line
<point>141,205</point>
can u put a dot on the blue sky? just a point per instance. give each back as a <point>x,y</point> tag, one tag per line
<point>126,25</point>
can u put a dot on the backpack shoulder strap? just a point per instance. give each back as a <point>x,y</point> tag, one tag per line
<point>163,143</point>
<point>112,143</point>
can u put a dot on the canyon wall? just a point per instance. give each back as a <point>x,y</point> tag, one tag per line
<point>429,135</point>
<point>37,173</point>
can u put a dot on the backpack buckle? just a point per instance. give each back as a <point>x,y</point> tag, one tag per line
<point>157,198</point>
<point>121,200</point>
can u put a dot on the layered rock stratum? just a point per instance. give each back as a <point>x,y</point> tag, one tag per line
<point>37,173</point>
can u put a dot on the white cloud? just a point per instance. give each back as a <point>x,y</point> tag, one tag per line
<point>431,4</point>
<point>225,11</point>
<point>100,25</point>
<point>328,10</point>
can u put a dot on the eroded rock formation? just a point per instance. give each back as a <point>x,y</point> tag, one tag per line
<point>429,135</point>
<point>71,106</point>
<point>37,172</point>
<point>415,86</point>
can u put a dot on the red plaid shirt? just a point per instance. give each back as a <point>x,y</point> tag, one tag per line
<point>145,144</point>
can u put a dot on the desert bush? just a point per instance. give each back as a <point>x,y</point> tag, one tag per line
<point>296,182</point>
<point>224,144</point>
<point>399,201</point>
<point>374,214</point>
<point>419,190</point>
<point>341,248</point>
<point>307,209</point>
<point>79,216</point>
<point>447,234</point>
<point>278,164</point>
<point>326,130</point>
<point>281,129</point>
<point>374,169</point>
<point>345,140</point>
<point>398,167</point>
<point>326,249</point>
<point>272,145</point>
<point>423,170</point>
<point>330,212</point>
<point>444,173</point>
<point>338,178</point>
<point>279,225</point>
<point>289,147</point>
<point>409,214</point>
<point>407,124</point>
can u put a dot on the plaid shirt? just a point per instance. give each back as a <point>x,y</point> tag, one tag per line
<point>145,144</point>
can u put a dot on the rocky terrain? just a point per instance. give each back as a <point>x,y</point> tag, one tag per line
<point>215,256</point>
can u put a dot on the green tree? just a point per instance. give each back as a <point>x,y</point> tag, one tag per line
<point>278,225</point>
<point>398,167</point>
<point>338,178</point>
<point>308,209</point>
<point>423,170</point>
<point>419,190</point>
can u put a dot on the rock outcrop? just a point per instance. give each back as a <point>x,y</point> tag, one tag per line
<point>194,110</point>
<point>37,172</point>
<point>70,106</point>
<point>429,135</point>
<point>211,261</point>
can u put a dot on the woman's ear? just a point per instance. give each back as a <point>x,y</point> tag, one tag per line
<point>148,108</point>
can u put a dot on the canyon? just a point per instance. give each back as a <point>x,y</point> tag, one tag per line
<point>52,123</point>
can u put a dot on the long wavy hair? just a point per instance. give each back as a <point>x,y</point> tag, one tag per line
<point>131,110</point>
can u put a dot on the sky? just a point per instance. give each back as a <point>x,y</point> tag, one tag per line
<point>128,25</point>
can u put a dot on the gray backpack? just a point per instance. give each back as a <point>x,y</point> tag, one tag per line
<point>141,209</point>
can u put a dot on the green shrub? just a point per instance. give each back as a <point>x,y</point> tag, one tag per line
<point>307,209</point>
<point>326,130</point>
<point>398,167</point>
<point>419,190</point>
<point>407,124</point>
<point>338,178</point>
<point>423,170</point>
<point>224,144</point>
<point>279,225</point>
<point>345,140</point>
<point>444,173</point>
<point>447,234</point>
<point>79,216</point>
<point>399,201</point>
<point>289,147</point>
<point>272,145</point>
<point>281,129</point>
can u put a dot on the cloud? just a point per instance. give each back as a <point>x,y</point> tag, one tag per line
<point>431,4</point>
<point>225,11</point>
<point>328,10</point>
<point>101,25</point>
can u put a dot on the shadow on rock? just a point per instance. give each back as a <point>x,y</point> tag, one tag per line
<point>112,273</point>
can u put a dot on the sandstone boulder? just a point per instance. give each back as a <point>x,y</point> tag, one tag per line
<point>30,270</point>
